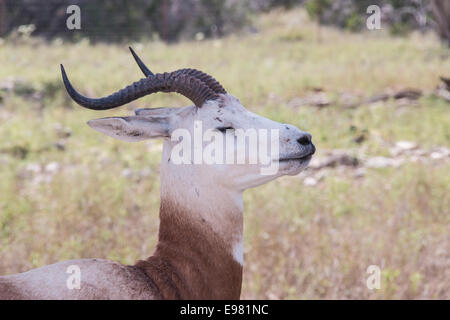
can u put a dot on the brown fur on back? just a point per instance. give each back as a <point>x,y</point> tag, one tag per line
<point>8,291</point>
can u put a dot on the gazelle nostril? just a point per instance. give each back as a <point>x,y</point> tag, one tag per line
<point>304,140</point>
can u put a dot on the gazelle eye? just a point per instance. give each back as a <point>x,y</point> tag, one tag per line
<point>224,129</point>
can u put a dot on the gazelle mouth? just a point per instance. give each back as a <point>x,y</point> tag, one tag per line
<point>296,158</point>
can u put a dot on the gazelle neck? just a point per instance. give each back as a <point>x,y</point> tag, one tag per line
<point>199,252</point>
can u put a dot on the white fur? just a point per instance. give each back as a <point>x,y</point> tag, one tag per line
<point>238,252</point>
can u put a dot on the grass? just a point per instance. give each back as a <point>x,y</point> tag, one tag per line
<point>67,192</point>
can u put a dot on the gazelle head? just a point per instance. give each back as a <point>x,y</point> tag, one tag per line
<point>192,135</point>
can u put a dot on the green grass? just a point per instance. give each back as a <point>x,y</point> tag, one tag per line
<point>300,242</point>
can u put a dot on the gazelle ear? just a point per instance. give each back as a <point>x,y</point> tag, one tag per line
<point>132,129</point>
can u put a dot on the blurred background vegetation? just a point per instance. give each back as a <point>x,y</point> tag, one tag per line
<point>376,102</point>
<point>171,20</point>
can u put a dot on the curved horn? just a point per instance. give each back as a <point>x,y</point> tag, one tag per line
<point>212,83</point>
<point>191,87</point>
<point>141,65</point>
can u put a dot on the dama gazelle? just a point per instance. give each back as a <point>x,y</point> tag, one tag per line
<point>199,254</point>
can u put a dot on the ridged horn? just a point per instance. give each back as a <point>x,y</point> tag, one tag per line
<point>189,86</point>
<point>212,83</point>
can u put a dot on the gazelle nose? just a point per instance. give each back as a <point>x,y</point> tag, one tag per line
<point>305,139</point>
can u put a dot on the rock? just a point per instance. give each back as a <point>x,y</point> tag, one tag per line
<point>411,94</point>
<point>402,147</point>
<point>440,153</point>
<point>310,181</point>
<point>52,167</point>
<point>406,145</point>
<point>334,160</point>
<point>383,162</point>
<point>378,97</point>
<point>127,173</point>
<point>436,156</point>
<point>7,85</point>
<point>420,152</point>
<point>405,102</point>
<point>33,167</point>
<point>319,100</point>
